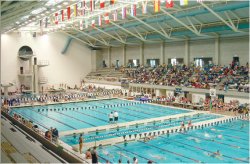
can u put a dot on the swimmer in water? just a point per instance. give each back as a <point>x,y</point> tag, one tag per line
<point>121,154</point>
<point>105,152</point>
<point>219,136</point>
<point>158,157</point>
<point>194,139</point>
<point>216,154</point>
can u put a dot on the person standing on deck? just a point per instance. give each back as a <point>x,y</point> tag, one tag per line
<point>116,115</point>
<point>111,116</point>
<point>94,155</point>
<point>80,143</point>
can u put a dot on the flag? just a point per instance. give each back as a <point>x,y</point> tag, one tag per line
<point>62,12</point>
<point>93,23</point>
<point>124,13</point>
<point>46,22</point>
<point>144,7</point>
<point>133,10</point>
<point>169,3</point>
<point>92,5</point>
<point>157,5</point>
<point>106,18</point>
<point>100,20</point>
<point>68,12</point>
<point>102,4</point>
<point>75,10</point>
<point>115,15</point>
<point>56,18</point>
<point>112,2</point>
<point>183,2</point>
<point>81,24</point>
<point>83,7</point>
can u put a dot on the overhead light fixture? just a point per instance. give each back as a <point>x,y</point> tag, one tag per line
<point>47,12</point>
<point>38,16</point>
<point>17,22</point>
<point>42,14</point>
<point>53,9</point>
<point>59,6</point>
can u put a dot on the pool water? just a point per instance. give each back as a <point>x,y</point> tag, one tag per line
<point>90,137</point>
<point>72,116</point>
<point>231,139</point>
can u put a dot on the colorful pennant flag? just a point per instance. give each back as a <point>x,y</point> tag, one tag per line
<point>106,18</point>
<point>115,15</point>
<point>62,14</point>
<point>102,4</point>
<point>157,5</point>
<point>93,23</point>
<point>144,7</point>
<point>133,10</point>
<point>100,20</point>
<point>56,18</point>
<point>81,24</point>
<point>83,7</point>
<point>124,13</point>
<point>68,12</point>
<point>112,2</point>
<point>183,2</point>
<point>169,3</point>
<point>75,10</point>
<point>92,5</point>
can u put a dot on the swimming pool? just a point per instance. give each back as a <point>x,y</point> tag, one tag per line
<point>102,135</point>
<point>73,116</point>
<point>231,139</point>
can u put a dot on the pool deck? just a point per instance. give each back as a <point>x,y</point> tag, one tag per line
<point>134,137</point>
<point>127,124</point>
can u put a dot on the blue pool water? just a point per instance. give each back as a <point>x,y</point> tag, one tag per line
<point>231,139</point>
<point>72,116</point>
<point>91,137</point>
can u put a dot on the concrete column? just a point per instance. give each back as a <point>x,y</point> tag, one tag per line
<point>124,55</point>
<point>187,53</point>
<point>142,54</point>
<point>217,51</point>
<point>36,81</point>
<point>162,60</point>
<point>109,57</point>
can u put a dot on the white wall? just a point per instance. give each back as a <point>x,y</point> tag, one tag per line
<point>241,100</point>
<point>66,68</point>
<point>231,47</point>
<point>174,50</point>
<point>196,97</point>
<point>228,47</point>
<point>203,48</point>
<point>116,54</point>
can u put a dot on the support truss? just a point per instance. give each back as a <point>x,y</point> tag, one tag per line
<point>230,25</point>
<point>86,34</point>
<point>90,44</point>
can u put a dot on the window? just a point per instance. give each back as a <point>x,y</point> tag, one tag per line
<point>202,61</point>
<point>175,61</point>
<point>153,62</point>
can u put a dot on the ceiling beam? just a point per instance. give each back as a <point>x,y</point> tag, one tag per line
<point>121,41</point>
<point>219,17</point>
<point>90,44</point>
<point>86,34</point>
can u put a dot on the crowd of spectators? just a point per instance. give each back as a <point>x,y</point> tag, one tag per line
<point>205,77</point>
